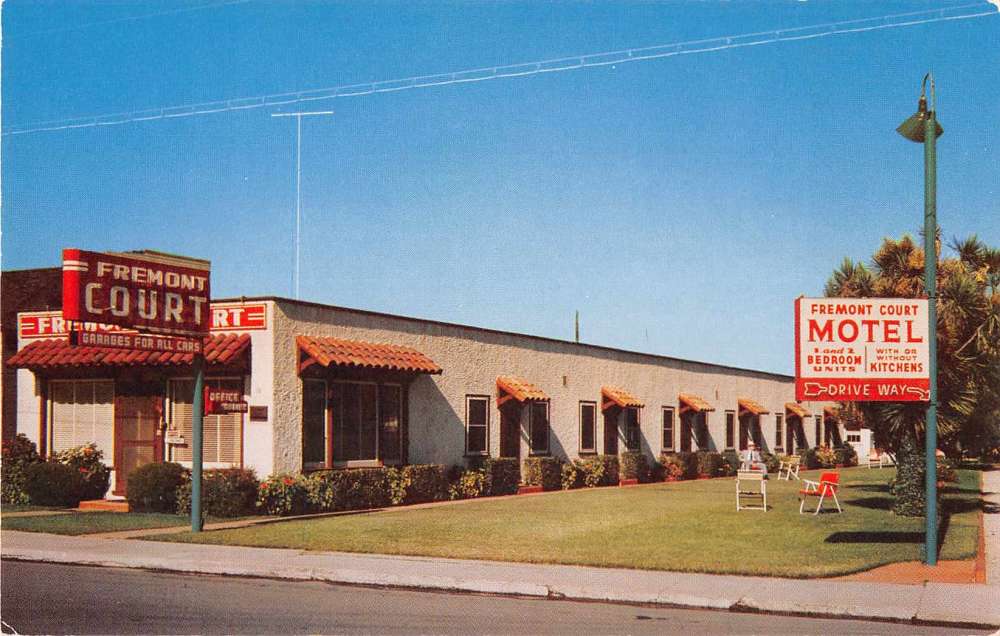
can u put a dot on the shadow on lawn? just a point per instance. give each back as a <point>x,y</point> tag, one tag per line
<point>876,537</point>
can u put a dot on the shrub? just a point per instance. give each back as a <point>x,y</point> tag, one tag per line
<point>825,457</point>
<point>845,455</point>
<point>53,484</point>
<point>469,484</point>
<point>611,465</point>
<point>284,495</point>
<point>730,462</point>
<point>353,489</point>
<point>710,463</point>
<point>674,467</point>
<point>225,492</point>
<point>945,471</point>
<point>503,475</point>
<point>687,461</point>
<point>633,465</point>
<point>543,471</point>
<point>809,459</point>
<point>18,454</point>
<point>771,461</point>
<point>591,471</point>
<point>87,461</point>
<point>421,483</point>
<point>572,476</point>
<point>153,487</point>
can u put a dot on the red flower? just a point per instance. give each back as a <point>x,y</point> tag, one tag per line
<point>288,481</point>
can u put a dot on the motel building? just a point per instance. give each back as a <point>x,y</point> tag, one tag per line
<point>328,387</point>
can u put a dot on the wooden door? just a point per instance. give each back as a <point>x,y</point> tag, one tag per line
<point>611,431</point>
<point>686,434</point>
<point>510,430</point>
<point>138,438</point>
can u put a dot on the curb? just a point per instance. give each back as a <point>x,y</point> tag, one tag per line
<point>737,603</point>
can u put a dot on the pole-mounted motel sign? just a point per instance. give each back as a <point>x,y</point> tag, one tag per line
<point>159,296</point>
<point>862,349</point>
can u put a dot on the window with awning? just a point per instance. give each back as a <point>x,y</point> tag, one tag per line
<point>693,403</point>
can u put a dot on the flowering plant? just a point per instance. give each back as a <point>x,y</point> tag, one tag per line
<point>87,460</point>
<point>282,495</point>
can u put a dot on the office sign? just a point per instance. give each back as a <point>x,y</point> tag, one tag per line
<point>862,349</point>
<point>146,291</point>
<point>221,401</point>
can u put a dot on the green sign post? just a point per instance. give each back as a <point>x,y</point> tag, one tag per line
<point>923,128</point>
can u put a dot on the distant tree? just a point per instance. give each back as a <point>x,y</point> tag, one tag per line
<point>968,342</point>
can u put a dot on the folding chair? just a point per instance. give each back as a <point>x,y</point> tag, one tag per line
<point>789,467</point>
<point>825,489</point>
<point>746,480</point>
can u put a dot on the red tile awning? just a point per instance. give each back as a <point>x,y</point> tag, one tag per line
<point>513,388</point>
<point>749,406</point>
<point>358,354</point>
<point>219,349</point>
<point>617,396</point>
<point>693,403</point>
<point>797,410</point>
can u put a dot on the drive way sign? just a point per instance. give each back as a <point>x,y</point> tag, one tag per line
<point>862,349</point>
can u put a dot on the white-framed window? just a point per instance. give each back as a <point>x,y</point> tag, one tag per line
<point>588,427</point>
<point>854,437</point>
<point>222,435</point>
<point>81,412</point>
<point>538,437</point>
<point>667,442</point>
<point>477,425</point>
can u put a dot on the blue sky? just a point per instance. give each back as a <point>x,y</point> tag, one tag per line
<point>679,204</point>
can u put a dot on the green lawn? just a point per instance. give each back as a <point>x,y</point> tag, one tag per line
<point>685,526</point>
<point>93,522</point>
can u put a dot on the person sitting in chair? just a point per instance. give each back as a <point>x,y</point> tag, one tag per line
<point>751,460</point>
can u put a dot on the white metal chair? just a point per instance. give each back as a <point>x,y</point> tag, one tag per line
<point>751,486</point>
<point>790,467</point>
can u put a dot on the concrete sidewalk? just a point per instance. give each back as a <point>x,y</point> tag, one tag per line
<point>991,526</point>
<point>973,605</point>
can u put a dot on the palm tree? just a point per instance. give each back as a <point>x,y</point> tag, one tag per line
<point>968,340</point>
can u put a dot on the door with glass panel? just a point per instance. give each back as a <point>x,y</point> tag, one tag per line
<point>138,438</point>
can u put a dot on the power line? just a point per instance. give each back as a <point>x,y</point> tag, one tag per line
<point>524,69</point>
<point>77,27</point>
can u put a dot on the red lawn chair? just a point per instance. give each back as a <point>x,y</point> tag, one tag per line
<point>825,489</point>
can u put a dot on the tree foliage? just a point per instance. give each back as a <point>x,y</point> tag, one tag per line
<point>968,339</point>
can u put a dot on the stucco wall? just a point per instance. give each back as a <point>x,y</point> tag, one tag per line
<point>472,359</point>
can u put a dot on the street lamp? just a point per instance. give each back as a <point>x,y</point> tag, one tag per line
<point>923,128</point>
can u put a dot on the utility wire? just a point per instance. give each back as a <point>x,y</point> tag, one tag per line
<point>77,27</point>
<point>524,69</point>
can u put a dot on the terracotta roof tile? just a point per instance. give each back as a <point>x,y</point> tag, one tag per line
<point>519,389</point>
<point>752,407</point>
<point>219,348</point>
<point>335,352</point>
<point>618,396</point>
<point>694,403</point>
<point>797,409</point>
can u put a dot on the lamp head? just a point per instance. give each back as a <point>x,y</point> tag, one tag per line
<point>914,128</point>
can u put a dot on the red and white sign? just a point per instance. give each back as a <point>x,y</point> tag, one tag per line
<point>140,341</point>
<point>220,401</point>
<point>147,291</point>
<point>862,349</point>
<point>224,317</point>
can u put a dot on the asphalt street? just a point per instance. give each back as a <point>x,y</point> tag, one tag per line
<point>42,598</point>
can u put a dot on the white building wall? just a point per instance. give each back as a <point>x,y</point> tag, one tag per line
<point>473,358</point>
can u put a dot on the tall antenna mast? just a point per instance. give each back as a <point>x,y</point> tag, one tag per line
<point>298,181</point>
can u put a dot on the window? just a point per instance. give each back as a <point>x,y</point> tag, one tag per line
<point>755,430</point>
<point>745,422</point>
<point>477,422</point>
<point>82,411</point>
<point>539,428</point>
<point>632,432</point>
<point>779,432</point>
<point>314,440</point>
<point>819,426</point>
<point>853,438</point>
<point>588,427</point>
<point>730,429</point>
<point>668,428</point>
<point>701,430</point>
<point>357,421</point>
<point>222,435</point>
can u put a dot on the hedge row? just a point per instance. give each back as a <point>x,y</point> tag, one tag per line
<point>64,480</point>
